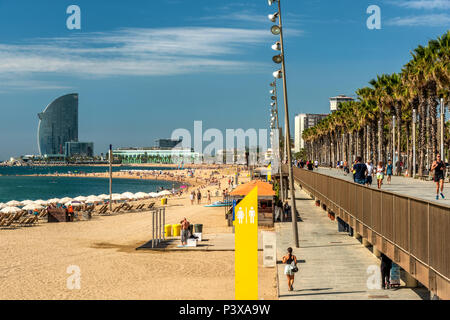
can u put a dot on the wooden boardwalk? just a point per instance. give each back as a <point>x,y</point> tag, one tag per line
<point>332,265</point>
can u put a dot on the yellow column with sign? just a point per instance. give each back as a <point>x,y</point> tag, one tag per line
<point>269,173</point>
<point>246,247</point>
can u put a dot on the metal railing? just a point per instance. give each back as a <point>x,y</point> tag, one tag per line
<point>413,232</point>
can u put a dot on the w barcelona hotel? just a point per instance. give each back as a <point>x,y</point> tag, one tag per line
<point>58,130</point>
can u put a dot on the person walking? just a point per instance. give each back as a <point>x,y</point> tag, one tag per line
<point>380,174</point>
<point>310,165</point>
<point>199,197</point>
<point>291,267</point>
<point>209,197</point>
<point>360,171</point>
<point>346,169</point>
<point>439,168</point>
<point>192,197</point>
<point>386,265</point>
<point>369,173</point>
<point>389,171</point>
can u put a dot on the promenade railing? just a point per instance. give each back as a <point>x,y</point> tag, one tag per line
<point>414,233</point>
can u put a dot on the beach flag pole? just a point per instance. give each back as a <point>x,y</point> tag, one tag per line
<point>110,177</point>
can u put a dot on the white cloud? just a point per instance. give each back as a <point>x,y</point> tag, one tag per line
<point>430,20</point>
<point>135,52</point>
<point>423,4</point>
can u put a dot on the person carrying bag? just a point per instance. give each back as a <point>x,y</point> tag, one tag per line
<point>291,268</point>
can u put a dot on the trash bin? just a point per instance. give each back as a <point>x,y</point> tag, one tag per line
<point>176,230</point>
<point>164,201</point>
<point>168,230</point>
<point>198,228</point>
<point>191,229</point>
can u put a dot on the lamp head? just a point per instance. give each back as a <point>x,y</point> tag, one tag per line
<point>273,17</point>
<point>276,30</point>
<point>278,74</point>
<point>276,46</point>
<point>278,58</point>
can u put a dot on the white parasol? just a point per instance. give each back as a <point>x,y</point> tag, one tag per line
<point>41,202</point>
<point>80,198</point>
<point>14,203</point>
<point>33,207</point>
<point>10,210</point>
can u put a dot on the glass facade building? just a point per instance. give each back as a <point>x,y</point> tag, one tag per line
<point>79,149</point>
<point>58,124</point>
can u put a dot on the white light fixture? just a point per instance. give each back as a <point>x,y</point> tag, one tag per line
<point>272,91</point>
<point>276,46</point>
<point>273,17</point>
<point>278,74</point>
<point>271,2</point>
<point>272,104</point>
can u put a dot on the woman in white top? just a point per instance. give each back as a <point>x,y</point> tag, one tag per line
<point>369,173</point>
<point>380,174</point>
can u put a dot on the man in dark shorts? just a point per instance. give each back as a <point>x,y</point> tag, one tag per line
<point>184,231</point>
<point>360,171</point>
<point>439,168</point>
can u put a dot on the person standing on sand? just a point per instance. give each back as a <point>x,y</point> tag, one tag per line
<point>184,231</point>
<point>199,197</point>
<point>291,261</point>
<point>192,197</point>
<point>439,168</point>
<point>209,197</point>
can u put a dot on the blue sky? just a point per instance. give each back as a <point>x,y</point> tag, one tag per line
<point>144,68</point>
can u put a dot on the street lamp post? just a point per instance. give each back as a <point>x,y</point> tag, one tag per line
<point>414,142</point>
<point>279,30</point>
<point>442,128</point>
<point>280,171</point>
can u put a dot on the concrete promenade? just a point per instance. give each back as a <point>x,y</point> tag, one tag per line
<point>332,265</point>
<point>421,189</point>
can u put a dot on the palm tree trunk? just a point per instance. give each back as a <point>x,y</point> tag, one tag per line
<point>422,129</point>
<point>432,105</point>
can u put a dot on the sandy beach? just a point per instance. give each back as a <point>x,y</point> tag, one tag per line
<point>35,259</point>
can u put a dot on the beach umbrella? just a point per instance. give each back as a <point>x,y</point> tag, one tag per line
<point>73,204</point>
<point>164,193</point>
<point>117,197</point>
<point>33,207</point>
<point>10,210</point>
<point>26,202</point>
<point>104,196</point>
<point>41,202</point>
<point>13,203</point>
<point>141,195</point>
<point>93,199</point>
<point>153,194</point>
<point>128,195</point>
<point>2,205</point>
<point>80,198</point>
<point>54,200</point>
<point>64,200</point>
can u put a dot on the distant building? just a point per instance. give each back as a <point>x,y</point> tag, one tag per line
<point>58,124</point>
<point>304,121</point>
<point>334,101</point>
<point>165,144</point>
<point>151,155</point>
<point>79,149</point>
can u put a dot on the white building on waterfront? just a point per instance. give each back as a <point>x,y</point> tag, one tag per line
<point>334,101</point>
<point>304,121</point>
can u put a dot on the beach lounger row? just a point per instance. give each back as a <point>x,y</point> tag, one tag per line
<point>19,219</point>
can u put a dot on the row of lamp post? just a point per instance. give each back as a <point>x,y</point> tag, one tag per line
<point>277,30</point>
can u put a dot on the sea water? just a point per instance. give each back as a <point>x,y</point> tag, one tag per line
<point>20,187</point>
